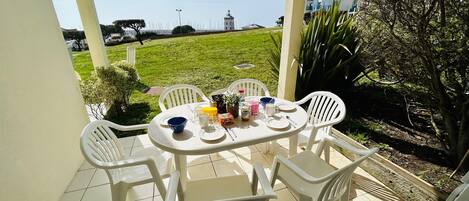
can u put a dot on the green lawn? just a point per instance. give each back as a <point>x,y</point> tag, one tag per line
<point>204,61</point>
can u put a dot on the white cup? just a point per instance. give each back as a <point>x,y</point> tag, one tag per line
<point>270,109</point>
<point>203,120</point>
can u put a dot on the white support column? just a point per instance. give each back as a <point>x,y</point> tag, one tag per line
<point>131,54</point>
<point>291,41</point>
<point>94,37</point>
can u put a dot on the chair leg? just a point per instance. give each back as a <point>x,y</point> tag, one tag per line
<point>272,146</point>
<point>327,153</point>
<point>265,147</point>
<point>119,192</point>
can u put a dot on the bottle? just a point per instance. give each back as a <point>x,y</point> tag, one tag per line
<point>242,95</point>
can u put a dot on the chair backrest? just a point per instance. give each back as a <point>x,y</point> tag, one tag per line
<point>252,87</point>
<point>337,182</point>
<point>218,91</point>
<point>100,145</point>
<point>325,107</point>
<point>180,94</point>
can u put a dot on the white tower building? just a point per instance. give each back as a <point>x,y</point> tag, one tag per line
<point>229,22</point>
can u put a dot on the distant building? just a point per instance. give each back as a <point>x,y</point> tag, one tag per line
<point>229,22</point>
<point>252,26</point>
<point>314,5</point>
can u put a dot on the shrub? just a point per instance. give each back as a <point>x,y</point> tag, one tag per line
<point>329,53</point>
<point>149,34</point>
<point>93,95</point>
<point>111,84</point>
<point>183,29</point>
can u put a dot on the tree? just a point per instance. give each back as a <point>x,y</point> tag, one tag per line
<point>107,30</point>
<point>111,84</point>
<point>73,34</point>
<point>135,24</point>
<point>427,43</point>
<point>183,29</point>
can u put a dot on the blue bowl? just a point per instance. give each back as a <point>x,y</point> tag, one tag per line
<point>265,100</point>
<point>177,124</point>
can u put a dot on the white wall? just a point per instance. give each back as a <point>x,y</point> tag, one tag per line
<point>41,109</point>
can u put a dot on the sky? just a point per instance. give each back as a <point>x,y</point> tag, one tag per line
<point>161,14</point>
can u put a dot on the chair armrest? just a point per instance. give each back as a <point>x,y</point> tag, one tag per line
<point>326,124</point>
<point>303,100</point>
<point>127,162</point>
<point>130,128</point>
<point>348,147</point>
<point>174,187</point>
<point>259,174</point>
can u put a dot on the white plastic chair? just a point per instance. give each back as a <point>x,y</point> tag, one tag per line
<point>103,150</point>
<point>252,87</point>
<point>231,188</point>
<point>218,91</point>
<point>314,179</point>
<point>461,193</point>
<point>325,110</point>
<point>180,94</point>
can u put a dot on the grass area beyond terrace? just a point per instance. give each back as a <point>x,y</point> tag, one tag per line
<point>204,61</point>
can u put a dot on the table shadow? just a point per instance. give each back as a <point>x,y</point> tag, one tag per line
<point>183,136</point>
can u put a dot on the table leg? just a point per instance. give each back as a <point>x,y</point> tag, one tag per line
<point>181,166</point>
<point>272,146</point>
<point>293,145</point>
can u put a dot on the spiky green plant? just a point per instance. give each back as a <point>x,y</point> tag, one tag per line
<point>329,53</point>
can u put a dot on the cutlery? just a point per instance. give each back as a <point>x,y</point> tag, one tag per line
<point>291,122</point>
<point>232,131</point>
<point>232,138</point>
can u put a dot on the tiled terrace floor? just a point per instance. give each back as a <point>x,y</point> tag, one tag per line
<point>90,184</point>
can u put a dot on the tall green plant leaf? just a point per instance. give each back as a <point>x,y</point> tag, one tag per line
<point>329,53</point>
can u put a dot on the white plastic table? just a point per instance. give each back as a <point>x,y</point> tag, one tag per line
<point>248,133</point>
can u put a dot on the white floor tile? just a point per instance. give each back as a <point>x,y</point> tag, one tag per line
<point>197,160</point>
<point>100,177</point>
<point>222,155</point>
<point>72,196</point>
<point>141,140</point>
<point>98,193</point>
<point>201,171</point>
<point>245,150</point>
<point>81,180</point>
<point>85,166</point>
<point>228,167</point>
<point>284,195</point>
<point>140,192</point>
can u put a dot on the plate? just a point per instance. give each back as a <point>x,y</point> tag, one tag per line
<point>278,124</point>
<point>211,135</point>
<point>286,107</point>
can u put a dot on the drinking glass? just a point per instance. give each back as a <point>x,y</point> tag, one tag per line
<point>204,120</point>
<point>270,109</point>
<point>254,107</point>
